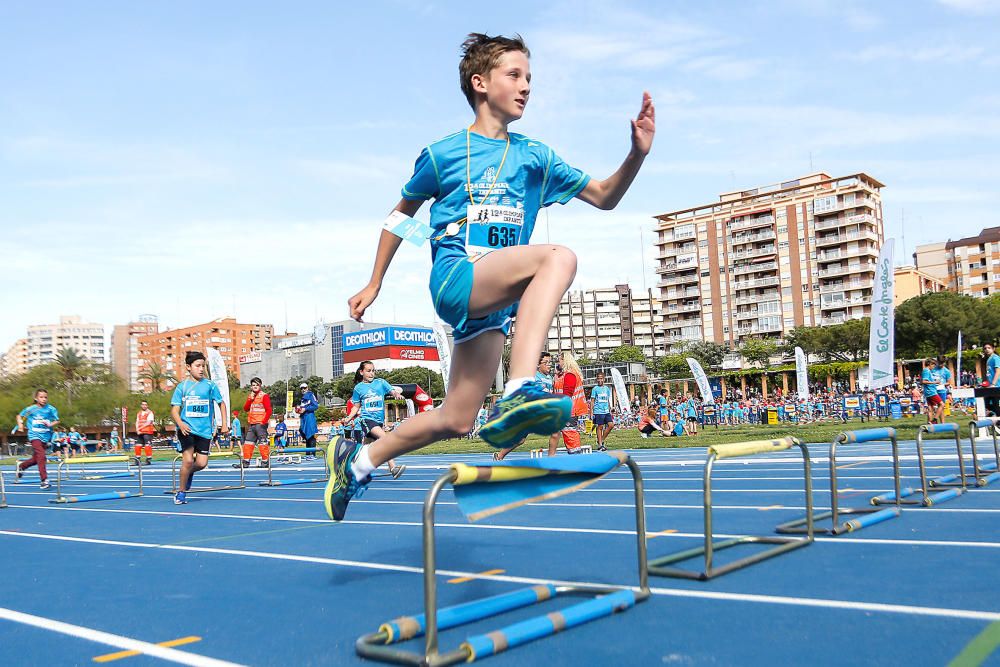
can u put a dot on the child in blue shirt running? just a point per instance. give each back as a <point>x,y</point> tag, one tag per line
<point>192,408</point>
<point>488,185</point>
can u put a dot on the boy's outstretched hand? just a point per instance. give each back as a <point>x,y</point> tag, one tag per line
<point>644,126</point>
<point>358,304</point>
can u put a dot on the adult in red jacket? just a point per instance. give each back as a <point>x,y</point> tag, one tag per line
<point>258,409</point>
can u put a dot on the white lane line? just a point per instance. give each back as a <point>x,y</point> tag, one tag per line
<point>505,527</point>
<point>117,641</point>
<point>969,614</point>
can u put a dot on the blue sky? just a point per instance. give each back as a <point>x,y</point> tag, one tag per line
<point>195,160</point>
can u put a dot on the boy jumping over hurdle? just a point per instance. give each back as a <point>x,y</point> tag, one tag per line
<point>488,185</point>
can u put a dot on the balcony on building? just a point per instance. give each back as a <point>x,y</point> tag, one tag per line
<point>756,283</point>
<point>752,237</point>
<point>751,221</point>
<point>751,253</point>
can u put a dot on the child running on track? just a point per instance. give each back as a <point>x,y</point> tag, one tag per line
<point>488,185</point>
<point>144,429</point>
<point>258,409</point>
<point>40,417</point>
<point>600,410</point>
<point>368,411</point>
<point>192,409</point>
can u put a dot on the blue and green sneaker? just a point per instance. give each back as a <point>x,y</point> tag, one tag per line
<point>530,409</point>
<point>342,486</point>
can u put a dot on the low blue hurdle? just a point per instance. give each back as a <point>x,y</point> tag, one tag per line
<point>110,495</point>
<point>484,490</point>
<point>288,482</point>
<point>982,473</point>
<point>955,484</point>
<point>865,516</point>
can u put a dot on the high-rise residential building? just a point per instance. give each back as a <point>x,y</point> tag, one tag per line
<point>125,349</point>
<point>911,282</point>
<point>760,262</point>
<point>974,263</point>
<point>591,323</point>
<point>46,340</point>
<point>933,260</point>
<point>15,360</point>
<point>231,338</point>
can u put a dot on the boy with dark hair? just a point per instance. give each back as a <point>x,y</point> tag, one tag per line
<point>192,408</point>
<point>488,185</point>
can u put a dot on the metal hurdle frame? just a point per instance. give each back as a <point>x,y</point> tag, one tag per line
<point>379,645</point>
<point>175,476</point>
<point>288,482</point>
<point>866,515</point>
<point>987,473</point>
<point>3,492</point>
<point>661,566</point>
<point>82,461</point>
<point>955,483</point>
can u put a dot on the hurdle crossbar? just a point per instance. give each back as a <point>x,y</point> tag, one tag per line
<point>866,516</point>
<point>83,461</point>
<point>987,472</point>
<point>662,566</point>
<point>604,601</point>
<point>955,483</point>
<point>175,476</point>
<point>289,482</point>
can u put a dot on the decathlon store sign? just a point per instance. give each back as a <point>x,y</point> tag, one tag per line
<point>408,336</point>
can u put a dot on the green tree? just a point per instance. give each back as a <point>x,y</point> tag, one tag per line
<point>708,354</point>
<point>849,341</point>
<point>929,324</point>
<point>157,376</point>
<point>418,375</point>
<point>626,353</point>
<point>672,365</point>
<point>758,350</point>
<point>74,368</point>
<point>814,341</point>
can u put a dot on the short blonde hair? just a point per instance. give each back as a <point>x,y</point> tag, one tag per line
<point>480,54</point>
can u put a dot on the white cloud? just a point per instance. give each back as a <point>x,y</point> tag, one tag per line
<point>948,54</point>
<point>972,6</point>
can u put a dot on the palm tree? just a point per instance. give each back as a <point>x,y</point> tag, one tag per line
<point>157,376</point>
<point>73,366</point>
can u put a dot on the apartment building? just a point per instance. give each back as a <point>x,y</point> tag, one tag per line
<point>932,259</point>
<point>231,338</point>
<point>125,348</point>
<point>911,282</point>
<point>974,263</point>
<point>15,360</point>
<point>760,262</point>
<point>44,341</point>
<point>591,323</point>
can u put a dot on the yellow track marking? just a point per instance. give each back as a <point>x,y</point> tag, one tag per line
<point>108,657</point>
<point>462,580</point>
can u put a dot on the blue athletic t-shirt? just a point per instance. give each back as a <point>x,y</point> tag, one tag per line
<point>601,395</point>
<point>370,398</point>
<point>945,376</point>
<point>196,400</point>
<point>991,368</point>
<point>662,400</point>
<point>544,380</point>
<point>532,177</point>
<point>35,419</point>
<point>932,376</point>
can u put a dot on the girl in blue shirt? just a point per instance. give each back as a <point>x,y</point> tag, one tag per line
<point>368,410</point>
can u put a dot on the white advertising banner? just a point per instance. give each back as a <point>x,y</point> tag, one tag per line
<point>881,340</point>
<point>619,382</point>
<point>444,352</point>
<point>801,373</point>
<point>702,380</point>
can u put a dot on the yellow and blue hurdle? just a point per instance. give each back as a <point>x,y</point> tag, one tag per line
<point>664,566</point>
<point>110,495</point>
<point>864,516</point>
<point>955,483</point>
<point>604,601</point>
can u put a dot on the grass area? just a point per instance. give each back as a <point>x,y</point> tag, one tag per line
<point>906,429</point>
